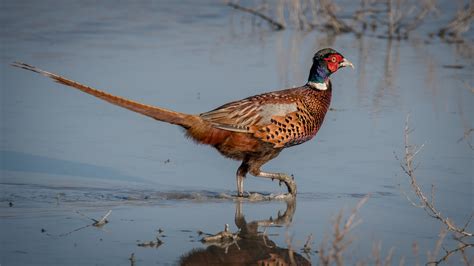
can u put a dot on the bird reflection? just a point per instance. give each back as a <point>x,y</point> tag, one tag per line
<point>248,246</point>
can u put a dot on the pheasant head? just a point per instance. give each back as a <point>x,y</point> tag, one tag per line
<point>326,62</point>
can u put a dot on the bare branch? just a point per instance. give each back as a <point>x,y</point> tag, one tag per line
<point>341,240</point>
<point>442,235</point>
<point>448,253</point>
<point>308,245</point>
<point>222,236</point>
<point>151,244</point>
<point>275,24</point>
<point>102,220</point>
<point>428,205</point>
<point>338,25</point>
<point>428,6</point>
<point>468,222</point>
<point>458,25</point>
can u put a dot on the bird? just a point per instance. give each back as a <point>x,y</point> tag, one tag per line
<point>253,130</point>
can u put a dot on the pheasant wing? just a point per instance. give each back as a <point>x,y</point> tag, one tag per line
<point>272,117</point>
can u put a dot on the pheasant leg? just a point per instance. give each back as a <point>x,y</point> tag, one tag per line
<point>288,180</point>
<point>241,172</point>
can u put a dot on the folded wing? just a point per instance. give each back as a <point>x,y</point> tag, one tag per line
<point>272,117</point>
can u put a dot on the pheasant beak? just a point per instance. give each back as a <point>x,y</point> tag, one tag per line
<point>345,63</point>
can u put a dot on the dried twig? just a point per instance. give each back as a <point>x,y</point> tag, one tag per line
<point>461,248</point>
<point>308,245</point>
<point>466,137</point>
<point>458,25</point>
<point>221,236</point>
<point>432,255</point>
<point>400,17</point>
<point>223,239</point>
<point>97,223</point>
<point>275,24</point>
<point>334,254</point>
<point>465,123</point>
<point>378,260</point>
<point>102,220</point>
<point>428,205</point>
<point>416,252</point>
<point>132,259</point>
<point>428,6</point>
<point>151,244</point>
<point>339,26</point>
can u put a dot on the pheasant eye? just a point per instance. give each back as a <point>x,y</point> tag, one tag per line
<point>333,59</point>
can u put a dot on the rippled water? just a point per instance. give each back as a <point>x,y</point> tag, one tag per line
<point>65,155</point>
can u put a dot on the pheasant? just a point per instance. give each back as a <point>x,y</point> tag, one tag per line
<point>253,130</point>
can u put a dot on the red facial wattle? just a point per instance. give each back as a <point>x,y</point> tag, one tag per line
<point>333,61</point>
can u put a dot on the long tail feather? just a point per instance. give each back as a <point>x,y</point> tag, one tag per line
<point>155,112</point>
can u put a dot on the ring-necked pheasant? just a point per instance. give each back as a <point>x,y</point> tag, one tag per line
<point>253,130</point>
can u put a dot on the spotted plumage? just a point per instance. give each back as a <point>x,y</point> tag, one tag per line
<point>253,130</point>
<point>283,118</point>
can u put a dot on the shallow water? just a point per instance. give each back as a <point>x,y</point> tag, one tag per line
<point>62,151</point>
